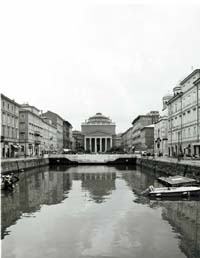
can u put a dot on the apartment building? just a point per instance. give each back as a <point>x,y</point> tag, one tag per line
<point>49,136</point>
<point>9,127</point>
<point>58,122</point>
<point>184,116</point>
<point>37,135</point>
<point>161,130</point>
<point>138,124</point>
<point>126,140</point>
<point>67,135</point>
<point>78,140</point>
<point>147,138</point>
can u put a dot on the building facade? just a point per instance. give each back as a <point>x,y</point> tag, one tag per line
<point>78,140</point>
<point>161,130</point>
<point>126,140</point>
<point>9,127</point>
<point>37,134</point>
<point>138,124</point>
<point>184,117</point>
<point>147,138</point>
<point>49,136</point>
<point>67,135</point>
<point>99,133</point>
<point>57,121</point>
<point>118,140</point>
<point>30,130</point>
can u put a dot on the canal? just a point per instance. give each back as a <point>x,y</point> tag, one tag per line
<point>95,212</point>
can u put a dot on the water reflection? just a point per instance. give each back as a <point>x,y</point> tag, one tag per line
<point>100,214</point>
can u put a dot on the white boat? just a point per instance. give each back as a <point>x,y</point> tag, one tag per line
<point>183,191</point>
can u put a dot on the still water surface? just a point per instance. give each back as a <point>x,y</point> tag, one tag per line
<point>95,212</point>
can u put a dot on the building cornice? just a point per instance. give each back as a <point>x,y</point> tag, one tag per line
<point>189,76</point>
<point>175,98</point>
<point>10,100</point>
<point>197,81</point>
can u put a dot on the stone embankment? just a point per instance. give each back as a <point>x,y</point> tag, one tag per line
<point>13,165</point>
<point>170,168</point>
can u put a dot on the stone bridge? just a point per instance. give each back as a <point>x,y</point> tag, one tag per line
<point>92,159</point>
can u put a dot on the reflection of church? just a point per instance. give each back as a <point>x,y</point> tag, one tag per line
<point>99,185</point>
<point>99,133</point>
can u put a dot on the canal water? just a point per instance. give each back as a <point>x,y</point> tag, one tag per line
<point>95,212</point>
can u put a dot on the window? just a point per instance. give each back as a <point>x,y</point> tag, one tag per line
<point>8,131</point>
<point>3,130</point>
<point>8,106</point>
<point>22,134</point>
<point>194,132</point>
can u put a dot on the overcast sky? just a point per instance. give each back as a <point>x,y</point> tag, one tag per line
<point>77,58</point>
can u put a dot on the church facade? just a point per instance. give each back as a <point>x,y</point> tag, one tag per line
<point>99,133</point>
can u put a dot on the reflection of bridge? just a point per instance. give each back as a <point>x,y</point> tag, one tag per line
<point>93,159</point>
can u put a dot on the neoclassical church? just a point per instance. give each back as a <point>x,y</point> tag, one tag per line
<point>99,133</point>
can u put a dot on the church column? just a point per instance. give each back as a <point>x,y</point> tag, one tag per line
<point>111,142</point>
<point>85,143</point>
<point>101,144</point>
<point>90,144</point>
<point>95,144</point>
<point>105,144</point>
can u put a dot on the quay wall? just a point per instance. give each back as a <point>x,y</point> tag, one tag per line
<point>170,168</point>
<point>22,164</point>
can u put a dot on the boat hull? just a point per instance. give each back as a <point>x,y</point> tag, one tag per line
<point>186,193</point>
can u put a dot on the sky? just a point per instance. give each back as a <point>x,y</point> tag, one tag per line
<point>77,58</point>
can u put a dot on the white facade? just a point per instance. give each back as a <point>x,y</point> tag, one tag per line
<point>184,117</point>
<point>99,133</point>
<point>161,137</point>
<point>37,135</point>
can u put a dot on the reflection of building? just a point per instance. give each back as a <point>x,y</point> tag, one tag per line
<point>99,132</point>
<point>184,216</point>
<point>184,117</point>
<point>78,140</point>
<point>99,185</point>
<point>9,127</point>
<point>138,124</point>
<point>67,135</point>
<point>32,191</point>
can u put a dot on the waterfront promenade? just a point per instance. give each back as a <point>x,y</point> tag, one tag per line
<point>185,161</point>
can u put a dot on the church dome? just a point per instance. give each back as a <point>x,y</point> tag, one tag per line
<point>99,118</point>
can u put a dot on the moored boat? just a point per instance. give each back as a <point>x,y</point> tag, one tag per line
<point>183,191</point>
<point>8,182</point>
